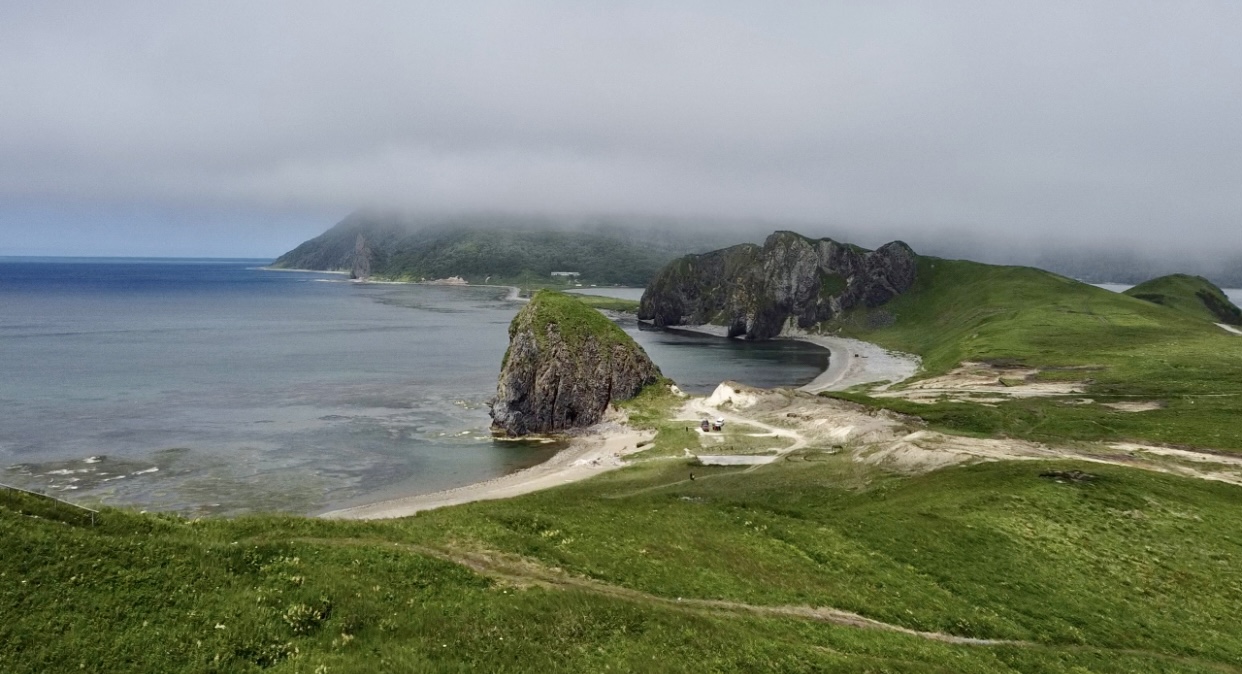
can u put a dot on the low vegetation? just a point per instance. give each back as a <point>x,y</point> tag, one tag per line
<point>1191,295</point>
<point>1120,347</point>
<point>574,318</point>
<point>645,570</point>
<point>614,304</point>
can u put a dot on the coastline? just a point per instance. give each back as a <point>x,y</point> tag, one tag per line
<point>851,361</point>
<point>605,445</point>
<point>305,271</point>
<point>513,296</point>
<point>599,451</point>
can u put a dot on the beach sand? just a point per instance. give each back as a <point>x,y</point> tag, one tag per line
<point>599,451</point>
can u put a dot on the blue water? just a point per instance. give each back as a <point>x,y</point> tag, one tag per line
<point>214,387</point>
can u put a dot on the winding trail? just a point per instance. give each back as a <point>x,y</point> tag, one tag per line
<point>525,572</point>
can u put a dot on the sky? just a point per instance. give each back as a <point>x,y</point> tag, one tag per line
<point>242,128</point>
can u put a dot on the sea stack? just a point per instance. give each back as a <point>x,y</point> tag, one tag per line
<point>565,365</point>
<point>362,259</point>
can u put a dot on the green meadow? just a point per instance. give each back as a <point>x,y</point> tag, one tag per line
<point>1123,348</point>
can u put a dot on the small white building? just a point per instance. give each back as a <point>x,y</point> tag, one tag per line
<point>567,274</point>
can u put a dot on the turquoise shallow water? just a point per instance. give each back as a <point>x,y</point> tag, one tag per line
<point>215,387</point>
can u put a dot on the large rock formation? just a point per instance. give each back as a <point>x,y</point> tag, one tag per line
<point>362,259</point>
<point>757,291</point>
<point>565,364</point>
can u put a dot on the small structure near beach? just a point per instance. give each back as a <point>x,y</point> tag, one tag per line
<point>565,365</point>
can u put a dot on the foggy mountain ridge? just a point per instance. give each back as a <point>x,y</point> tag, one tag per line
<point>673,237</point>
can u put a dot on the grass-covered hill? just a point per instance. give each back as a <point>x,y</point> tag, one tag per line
<point>1192,295</point>
<point>492,249</point>
<point>811,565</point>
<point>1121,347</point>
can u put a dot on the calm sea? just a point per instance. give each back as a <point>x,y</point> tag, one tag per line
<point>214,387</point>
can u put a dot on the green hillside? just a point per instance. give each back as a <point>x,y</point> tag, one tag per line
<point>493,250</point>
<point>1122,347</point>
<point>986,568</point>
<point>1191,295</point>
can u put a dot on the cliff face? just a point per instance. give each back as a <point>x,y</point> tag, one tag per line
<point>756,290</point>
<point>565,364</point>
<point>362,259</point>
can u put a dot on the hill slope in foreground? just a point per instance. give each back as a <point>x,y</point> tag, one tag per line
<point>486,250</point>
<point>824,560</point>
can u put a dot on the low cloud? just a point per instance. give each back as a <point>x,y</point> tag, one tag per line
<point>1053,121</point>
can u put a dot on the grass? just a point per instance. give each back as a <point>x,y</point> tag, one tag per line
<point>1192,295</point>
<point>608,303</point>
<point>1130,572</point>
<point>1127,348</point>
<point>575,320</point>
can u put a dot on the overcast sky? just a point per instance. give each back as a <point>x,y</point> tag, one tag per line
<point>242,128</point>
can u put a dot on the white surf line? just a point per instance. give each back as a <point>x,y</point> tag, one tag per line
<point>1229,328</point>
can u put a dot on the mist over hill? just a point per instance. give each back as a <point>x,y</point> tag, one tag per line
<point>629,250</point>
<point>495,248</point>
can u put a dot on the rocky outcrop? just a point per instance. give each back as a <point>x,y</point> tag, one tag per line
<point>565,364</point>
<point>790,281</point>
<point>362,259</point>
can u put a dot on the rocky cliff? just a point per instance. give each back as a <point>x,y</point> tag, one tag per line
<point>756,291</point>
<point>565,364</point>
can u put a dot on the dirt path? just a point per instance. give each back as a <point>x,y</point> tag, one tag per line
<point>698,408</point>
<point>524,572</point>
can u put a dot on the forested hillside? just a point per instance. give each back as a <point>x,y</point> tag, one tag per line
<point>493,249</point>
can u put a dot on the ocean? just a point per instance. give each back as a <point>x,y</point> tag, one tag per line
<point>213,387</point>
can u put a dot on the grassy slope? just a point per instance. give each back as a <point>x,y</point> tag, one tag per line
<point>1191,295</point>
<point>1129,573</point>
<point>965,311</point>
<point>608,303</point>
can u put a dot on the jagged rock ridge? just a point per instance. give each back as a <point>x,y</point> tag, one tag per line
<point>565,364</point>
<point>758,291</point>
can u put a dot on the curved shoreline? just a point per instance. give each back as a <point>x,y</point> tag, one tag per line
<point>851,361</point>
<point>587,456</point>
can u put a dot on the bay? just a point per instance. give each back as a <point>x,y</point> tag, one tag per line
<point>216,387</point>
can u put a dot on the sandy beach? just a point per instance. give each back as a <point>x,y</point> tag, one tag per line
<point>601,450</point>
